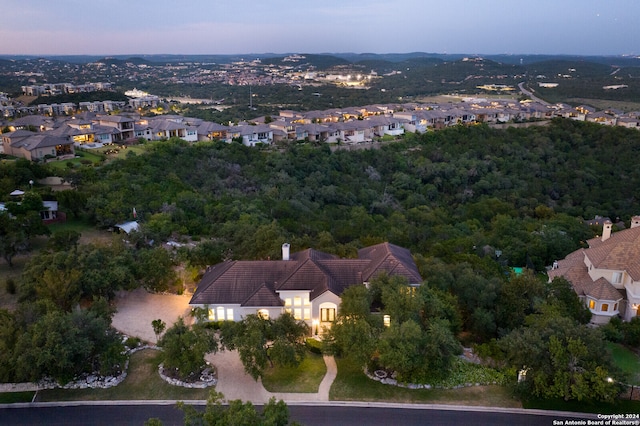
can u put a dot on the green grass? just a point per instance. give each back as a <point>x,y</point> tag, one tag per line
<point>352,384</point>
<point>142,382</point>
<point>89,233</point>
<point>72,224</point>
<point>14,397</point>
<point>122,153</point>
<point>305,378</point>
<point>627,361</point>
<point>81,157</point>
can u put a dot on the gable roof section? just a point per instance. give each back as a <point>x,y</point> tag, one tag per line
<point>239,282</point>
<point>263,296</point>
<point>39,140</point>
<point>574,269</point>
<point>601,289</point>
<point>620,252</point>
<point>389,258</point>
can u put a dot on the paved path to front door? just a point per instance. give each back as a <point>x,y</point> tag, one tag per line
<point>235,383</point>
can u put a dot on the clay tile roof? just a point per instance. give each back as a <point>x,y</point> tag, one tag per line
<point>392,259</point>
<point>601,289</point>
<point>255,283</point>
<point>263,296</point>
<point>620,252</point>
<point>237,282</point>
<point>574,270</point>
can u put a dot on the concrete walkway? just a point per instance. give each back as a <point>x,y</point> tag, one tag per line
<point>235,383</point>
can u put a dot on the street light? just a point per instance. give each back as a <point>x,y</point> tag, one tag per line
<point>31,183</point>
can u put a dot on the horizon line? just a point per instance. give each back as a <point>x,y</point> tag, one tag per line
<point>106,55</point>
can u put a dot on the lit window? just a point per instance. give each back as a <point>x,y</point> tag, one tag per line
<point>297,313</point>
<point>307,313</point>
<point>592,304</point>
<point>386,320</point>
<point>305,301</point>
<point>263,313</point>
<point>297,301</point>
<point>327,314</point>
<point>287,301</point>
<point>212,315</point>
<point>220,313</point>
<point>605,307</point>
<point>229,314</point>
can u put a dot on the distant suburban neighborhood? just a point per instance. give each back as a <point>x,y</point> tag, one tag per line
<point>52,131</point>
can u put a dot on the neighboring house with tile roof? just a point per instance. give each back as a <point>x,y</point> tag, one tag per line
<point>308,283</point>
<point>606,276</point>
<point>36,146</point>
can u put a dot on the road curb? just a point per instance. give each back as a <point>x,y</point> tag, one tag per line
<point>443,407</point>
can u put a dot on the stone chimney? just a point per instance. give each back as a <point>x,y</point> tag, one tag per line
<point>285,251</point>
<point>606,230</point>
<point>635,221</point>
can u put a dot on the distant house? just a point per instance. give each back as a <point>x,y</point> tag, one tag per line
<point>352,132</point>
<point>606,276</point>
<point>36,146</point>
<point>308,284</point>
<point>165,127</point>
<point>123,126</point>
<point>50,214</point>
<point>253,135</point>
<point>208,131</point>
<point>382,125</point>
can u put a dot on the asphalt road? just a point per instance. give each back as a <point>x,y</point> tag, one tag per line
<point>306,415</point>
<point>530,94</point>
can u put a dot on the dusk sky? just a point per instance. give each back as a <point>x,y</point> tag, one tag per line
<point>110,27</point>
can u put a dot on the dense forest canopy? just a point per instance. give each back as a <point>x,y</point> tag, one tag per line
<point>466,190</point>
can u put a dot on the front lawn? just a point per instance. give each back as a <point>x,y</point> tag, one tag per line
<point>305,378</point>
<point>14,397</point>
<point>352,384</point>
<point>142,382</point>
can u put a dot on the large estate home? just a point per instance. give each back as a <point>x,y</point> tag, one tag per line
<point>606,275</point>
<point>307,284</point>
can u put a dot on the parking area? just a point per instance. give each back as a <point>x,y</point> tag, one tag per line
<point>137,308</point>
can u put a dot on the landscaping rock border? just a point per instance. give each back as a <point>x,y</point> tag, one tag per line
<point>207,379</point>
<point>378,377</point>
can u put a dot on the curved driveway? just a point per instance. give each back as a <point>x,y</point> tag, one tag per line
<point>136,310</point>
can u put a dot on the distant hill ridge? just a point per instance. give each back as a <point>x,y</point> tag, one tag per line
<point>331,58</point>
